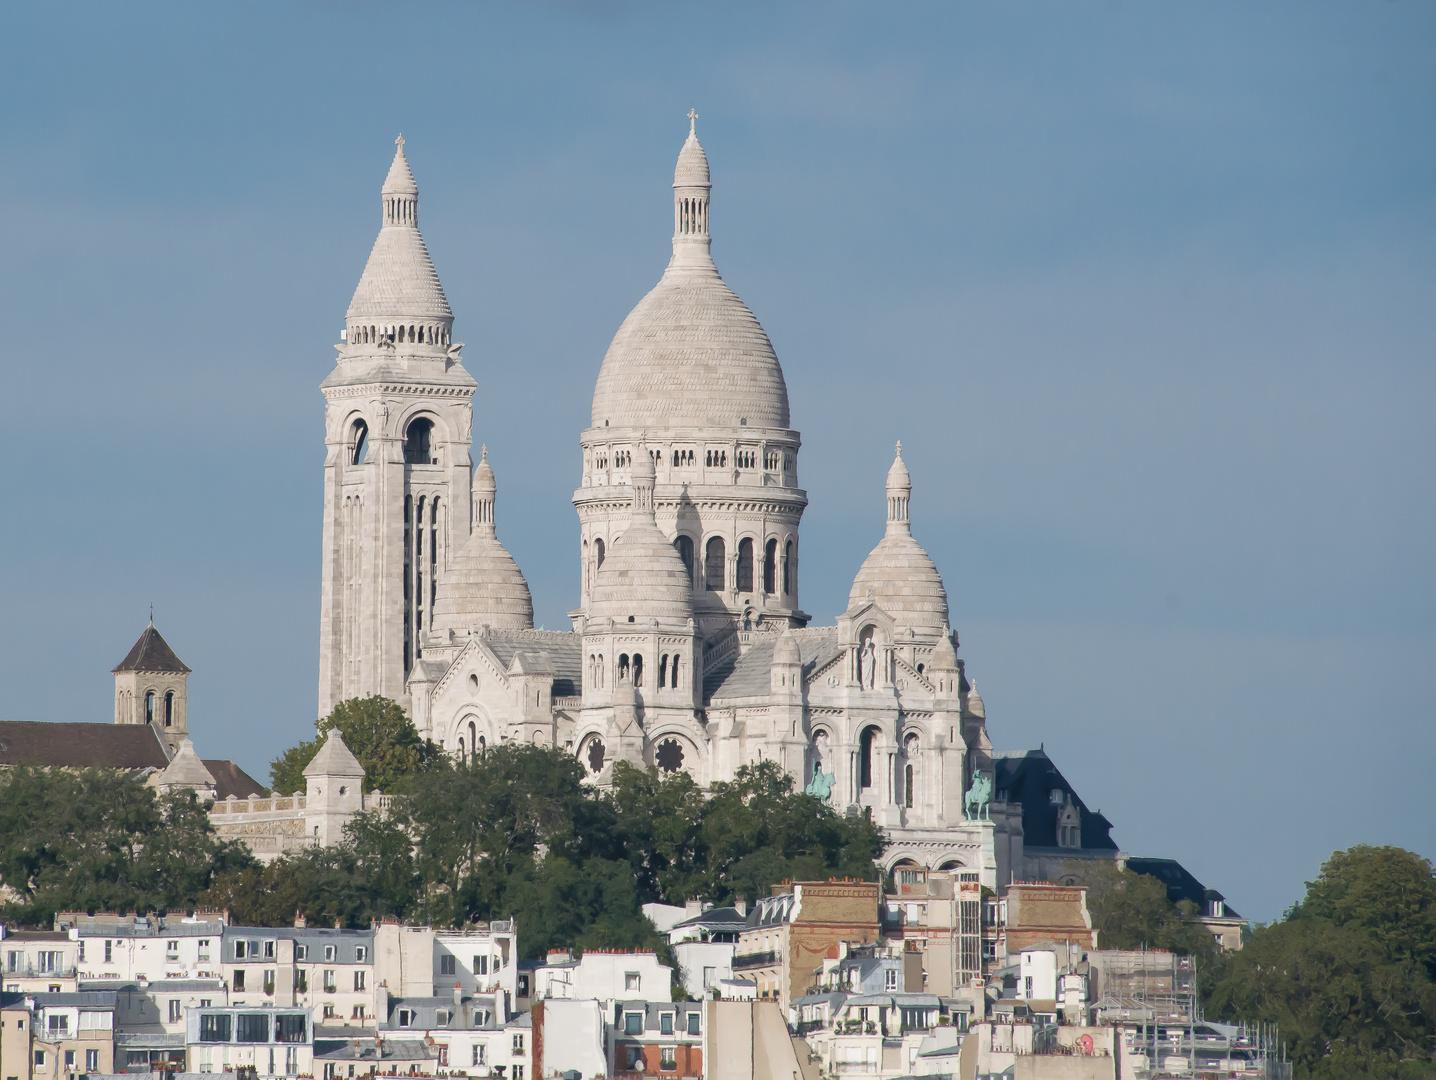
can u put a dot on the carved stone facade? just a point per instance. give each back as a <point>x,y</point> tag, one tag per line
<point>689,649</point>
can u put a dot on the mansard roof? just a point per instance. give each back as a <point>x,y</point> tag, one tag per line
<point>151,653</point>
<point>1181,883</point>
<point>81,746</point>
<point>1029,777</point>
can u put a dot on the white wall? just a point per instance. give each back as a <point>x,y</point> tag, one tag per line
<point>573,1037</point>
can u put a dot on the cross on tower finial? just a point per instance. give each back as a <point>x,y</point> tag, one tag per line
<point>399,142</point>
<point>692,121</point>
<point>483,451</point>
<point>899,448</point>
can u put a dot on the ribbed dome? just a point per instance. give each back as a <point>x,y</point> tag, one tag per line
<point>483,584</point>
<point>690,354</point>
<point>905,583</point>
<point>898,573</point>
<point>643,576</point>
<point>399,280</point>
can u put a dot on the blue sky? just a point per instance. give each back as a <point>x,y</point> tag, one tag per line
<point>1146,291</point>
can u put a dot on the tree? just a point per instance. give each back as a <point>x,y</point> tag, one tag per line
<point>377,732</point>
<point>1132,911</point>
<point>1344,1009</point>
<point>101,839</point>
<point>1347,975</point>
<point>1386,892</point>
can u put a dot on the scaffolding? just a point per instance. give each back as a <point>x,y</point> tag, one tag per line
<point>1152,996</point>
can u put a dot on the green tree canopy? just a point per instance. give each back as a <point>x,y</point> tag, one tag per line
<point>1132,911</point>
<point>1347,975</point>
<point>377,732</point>
<point>100,839</point>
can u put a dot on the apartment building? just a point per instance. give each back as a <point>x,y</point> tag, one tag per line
<point>37,961</point>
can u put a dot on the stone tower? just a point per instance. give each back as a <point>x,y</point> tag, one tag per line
<point>398,421</point>
<point>692,375</point>
<point>150,688</point>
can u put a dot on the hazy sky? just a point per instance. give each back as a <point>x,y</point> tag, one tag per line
<point>1147,291</point>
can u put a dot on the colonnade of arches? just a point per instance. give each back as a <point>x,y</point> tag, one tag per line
<point>867,771</point>
<point>413,333</point>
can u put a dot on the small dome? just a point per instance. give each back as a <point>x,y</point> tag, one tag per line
<point>898,574</point>
<point>642,576</point>
<point>692,168</point>
<point>905,583</point>
<point>483,584</point>
<point>786,651</point>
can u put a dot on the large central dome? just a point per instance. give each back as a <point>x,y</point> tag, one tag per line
<point>690,354</point>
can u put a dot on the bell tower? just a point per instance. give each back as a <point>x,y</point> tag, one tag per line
<point>398,418</point>
<point>151,687</point>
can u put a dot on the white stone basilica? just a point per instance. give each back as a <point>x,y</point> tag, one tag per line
<point>689,649</point>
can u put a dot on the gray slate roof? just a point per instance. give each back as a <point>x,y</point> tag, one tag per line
<point>81,746</point>
<point>150,653</point>
<point>564,649</point>
<point>747,675</point>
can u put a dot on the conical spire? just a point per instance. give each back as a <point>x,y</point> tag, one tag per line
<point>399,297</point>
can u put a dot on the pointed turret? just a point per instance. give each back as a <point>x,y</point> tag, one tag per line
<point>399,298</point>
<point>186,772</point>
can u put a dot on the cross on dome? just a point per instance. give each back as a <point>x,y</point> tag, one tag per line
<point>692,122</point>
<point>399,142</point>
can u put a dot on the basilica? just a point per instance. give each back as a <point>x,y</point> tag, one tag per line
<point>689,648</point>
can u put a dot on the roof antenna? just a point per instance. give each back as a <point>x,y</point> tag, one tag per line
<point>152,613</point>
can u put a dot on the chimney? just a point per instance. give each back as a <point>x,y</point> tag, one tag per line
<point>458,997</point>
<point>693,906</point>
<point>300,922</point>
<point>740,905</point>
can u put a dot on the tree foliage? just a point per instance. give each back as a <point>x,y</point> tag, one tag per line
<point>377,732</point>
<point>1133,911</point>
<point>100,839</point>
<point>515,832</point>
<point>1347,975</point>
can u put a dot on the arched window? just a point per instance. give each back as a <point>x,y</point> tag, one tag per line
<point>417,440</point>
<point>473,738</point>
<point>149,706</point>
<point>359,443</point>
<point>169,708</point>
<point>745,565</point>
<point>594,754</point>
<point>684,544</point>
<point>674,680</point>
<point>637,669</point>
<point>865,757</point>
<point>770,567</point>
<point>622,668</point>
<point>598,548</point>
<point>714,570</point>
<point>663,671</point>
<point>788,569</point>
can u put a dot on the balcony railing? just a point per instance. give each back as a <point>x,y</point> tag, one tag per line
<point>754,960</point>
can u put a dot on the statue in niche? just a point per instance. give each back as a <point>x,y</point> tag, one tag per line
<point>821,785</point>
<point>867,665</point>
